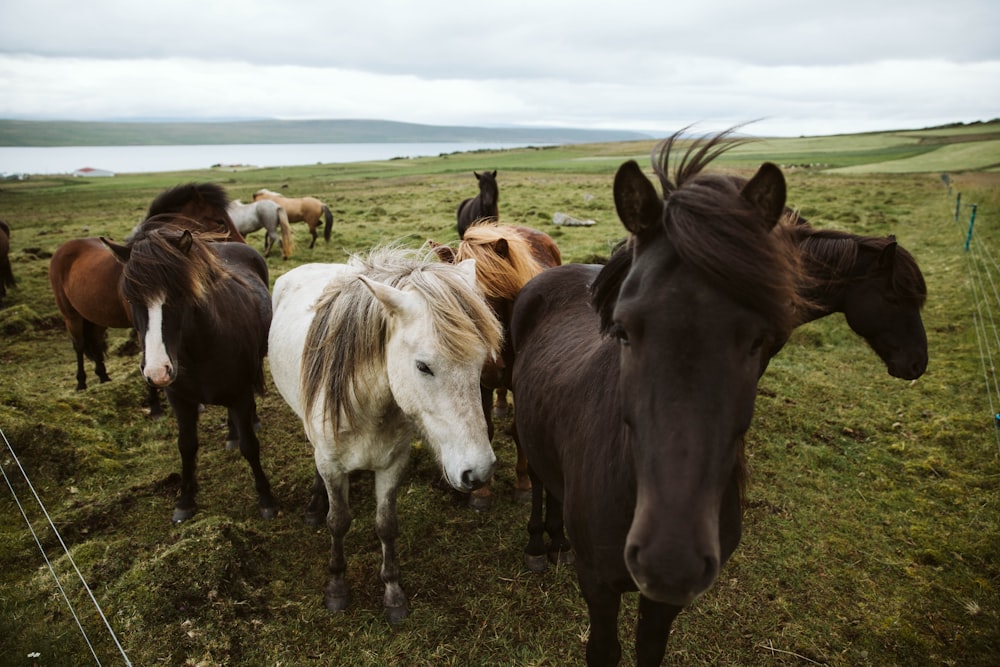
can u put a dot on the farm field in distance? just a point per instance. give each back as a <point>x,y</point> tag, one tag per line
<point>872,521</point>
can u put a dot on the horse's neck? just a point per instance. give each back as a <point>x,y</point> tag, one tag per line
<point>829,283</point>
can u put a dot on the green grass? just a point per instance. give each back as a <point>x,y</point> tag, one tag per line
<point>871,531</point>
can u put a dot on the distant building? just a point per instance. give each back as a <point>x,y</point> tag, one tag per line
<point>91,172</point>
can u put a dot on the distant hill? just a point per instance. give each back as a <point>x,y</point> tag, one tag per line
<point>79,133</point>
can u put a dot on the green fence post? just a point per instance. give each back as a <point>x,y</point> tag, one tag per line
<point>972,221</point>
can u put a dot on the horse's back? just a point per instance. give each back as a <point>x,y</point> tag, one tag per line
<point>84,276</point>
<point>293,300</point>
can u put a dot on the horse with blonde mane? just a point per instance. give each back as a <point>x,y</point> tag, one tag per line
<point>507,257</point>
<point>302,209</point>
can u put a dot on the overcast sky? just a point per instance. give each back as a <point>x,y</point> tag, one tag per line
<point>804,67</point>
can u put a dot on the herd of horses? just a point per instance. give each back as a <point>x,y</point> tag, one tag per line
<point>634,381</point>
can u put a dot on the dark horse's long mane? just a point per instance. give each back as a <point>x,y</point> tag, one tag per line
<point>711,229</point>
<point>161,261</point>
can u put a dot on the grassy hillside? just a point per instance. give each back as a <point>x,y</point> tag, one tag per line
<point>873,512</point>
<point>70,133</point>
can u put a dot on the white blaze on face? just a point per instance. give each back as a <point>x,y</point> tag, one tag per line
<point>158,368</point>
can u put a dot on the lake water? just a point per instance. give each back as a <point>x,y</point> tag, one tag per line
<point>138,159</point>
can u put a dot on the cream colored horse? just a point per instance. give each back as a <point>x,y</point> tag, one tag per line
<point>302,209</point>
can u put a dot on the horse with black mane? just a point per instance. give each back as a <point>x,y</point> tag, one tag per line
<point>482,207</point>
<point>86,278</point>
<point>636,430</point>
<point>202,311</point>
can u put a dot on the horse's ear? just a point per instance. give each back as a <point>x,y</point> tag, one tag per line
<point>395,301</point>
<point>121,252</point>
<point>185,241</point>
<point>636,200</point>
<point>501,248</point>
<point>766,192</point>
<point>444,252</point>
<point>887,258</point>
<point>477,175</point>
<point>494,174</point>
<point>468,267</point>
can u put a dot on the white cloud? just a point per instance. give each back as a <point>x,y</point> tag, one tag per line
<point>640,64</point>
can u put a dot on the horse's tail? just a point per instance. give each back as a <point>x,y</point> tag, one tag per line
<point>329,223</point>
<point>95,341</point>
<point>286,233</point>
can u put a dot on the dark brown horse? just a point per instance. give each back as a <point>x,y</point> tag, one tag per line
<point>638,435</point>
<point>85,277</point>
<point>202,311</point>
<point>482,207</point>
<point>873,281</point>
<point>6,273</point>
<point>507,257</point>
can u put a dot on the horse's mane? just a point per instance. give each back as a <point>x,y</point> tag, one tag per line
<point>158,265</point>
<point>178,198</point>
<point>836,253</point>
<point>501,277</point>
<point>712,228</point>
<point>345,346</point>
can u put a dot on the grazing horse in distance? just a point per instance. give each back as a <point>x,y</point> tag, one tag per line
<point>371,355</point>
<point>507,257</point>
<point>637,431</point>
<point>264,214</point>
<point>202,311</point>
<point>6,272</point>
<point>481,207</point>
<point>86,278</point>
<point>302,209</point>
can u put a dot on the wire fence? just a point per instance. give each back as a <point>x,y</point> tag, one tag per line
<point>32,500</point>
<point>984,274</point>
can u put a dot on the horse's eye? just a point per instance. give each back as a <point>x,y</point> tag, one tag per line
<point>424,368</point>
<point>618,331</point>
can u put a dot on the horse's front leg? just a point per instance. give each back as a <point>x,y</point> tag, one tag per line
<point>482,498</point>
<point>241,415</point>
<point>603,604</point>
<point>186,413</point>
<point>652,631</point>
<point>387,483</point>
<point>336,594</point>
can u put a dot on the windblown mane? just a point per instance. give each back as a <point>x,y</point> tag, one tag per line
<point>345,346</point>
<point>500,277</point>
<point>829,252</point>
<point>177,199</point>
<point>714,230</point>
<point>157,264</point>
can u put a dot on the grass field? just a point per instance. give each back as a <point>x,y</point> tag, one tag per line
<point>872,526</point>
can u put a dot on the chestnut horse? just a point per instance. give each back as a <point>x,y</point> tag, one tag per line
<point>86,278</point>
<point>637,431</point>
<point>302,209</point>
<point>482,207</point>
<point>506,257</point>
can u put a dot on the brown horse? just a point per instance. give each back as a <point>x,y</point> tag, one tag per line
<point>507,257</point>
<point>302,209</point>
<point>482,207</point>
<point>6,273</point>
<point>86,277</point>
<point>637,431</point>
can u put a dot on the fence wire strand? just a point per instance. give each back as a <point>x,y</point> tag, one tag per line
<point>982,267</point>
<point>52,571</point>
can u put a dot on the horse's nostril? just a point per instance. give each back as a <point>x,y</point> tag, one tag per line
<point>470,480</point>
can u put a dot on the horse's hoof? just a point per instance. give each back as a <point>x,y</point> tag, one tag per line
<point>336,603</point>
<point>396,615</point>
<point>182,514</point>
<point>536,564</point>
<point>269,513</point>
<point>232,445</point>
<point>562,557</point>
<point>480,503</point>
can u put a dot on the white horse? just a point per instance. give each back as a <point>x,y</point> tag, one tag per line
<point>371,355</point>
<point>265,214</point>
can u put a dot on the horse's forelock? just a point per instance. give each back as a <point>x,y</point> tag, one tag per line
<point>499,277</point>
<point>158,266</point>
